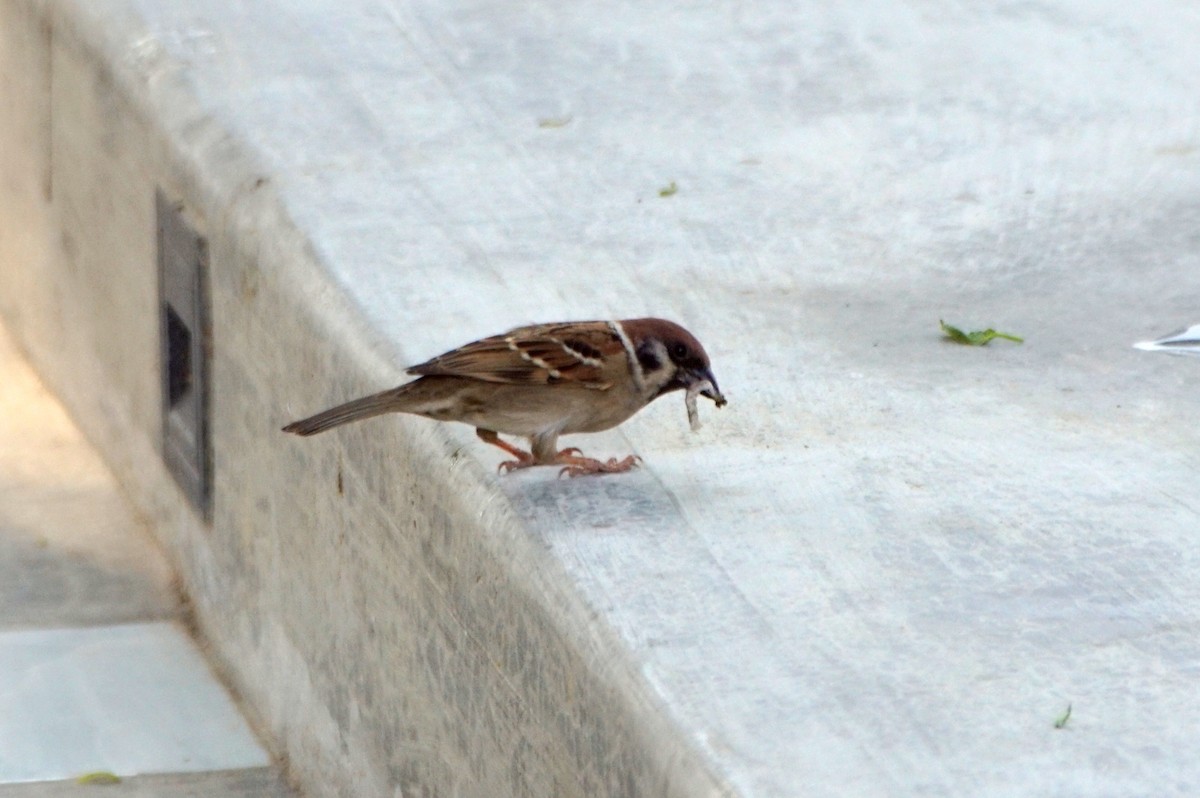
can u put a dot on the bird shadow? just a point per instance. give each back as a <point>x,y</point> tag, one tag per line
<point>590,502</point>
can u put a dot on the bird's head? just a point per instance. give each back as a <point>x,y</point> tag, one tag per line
<point>669,358</point>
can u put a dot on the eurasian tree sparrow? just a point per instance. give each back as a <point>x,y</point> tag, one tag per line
<point>543,381</point>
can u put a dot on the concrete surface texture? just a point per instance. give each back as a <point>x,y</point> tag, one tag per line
<point>72,550</point>
<point>384,611</point>
<point>892,563</point>
<point>97,671</point>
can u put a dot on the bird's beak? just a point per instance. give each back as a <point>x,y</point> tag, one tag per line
<point>711,391</point>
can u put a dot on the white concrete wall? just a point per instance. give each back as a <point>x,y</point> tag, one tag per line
<point>384,616</point>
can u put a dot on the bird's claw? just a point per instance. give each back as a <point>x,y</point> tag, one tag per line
<point>509,466</point>
<point>573,462</point>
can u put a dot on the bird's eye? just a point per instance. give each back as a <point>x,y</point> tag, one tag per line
<point>678,352</point>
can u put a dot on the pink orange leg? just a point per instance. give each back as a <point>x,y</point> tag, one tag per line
<point>523,458</point>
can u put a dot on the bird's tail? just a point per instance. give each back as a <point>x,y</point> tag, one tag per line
<point>368,406</point>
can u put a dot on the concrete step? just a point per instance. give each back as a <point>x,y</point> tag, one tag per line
<point>99,672</point>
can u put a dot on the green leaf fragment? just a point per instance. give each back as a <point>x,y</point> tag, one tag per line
<point>1063,718</point>
<point>98,777</point>
<point>668,189</point>
<point>977,337</point>
<point>554,121</point>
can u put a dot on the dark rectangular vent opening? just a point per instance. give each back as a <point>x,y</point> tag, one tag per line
<point>179,358</point>
<point>184,347</point>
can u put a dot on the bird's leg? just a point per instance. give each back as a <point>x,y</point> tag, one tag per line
<point>524,458</point>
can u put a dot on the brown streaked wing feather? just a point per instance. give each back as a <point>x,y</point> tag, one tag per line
<point>562,353</point>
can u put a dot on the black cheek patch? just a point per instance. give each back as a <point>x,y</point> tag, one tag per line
<point>648,360</point>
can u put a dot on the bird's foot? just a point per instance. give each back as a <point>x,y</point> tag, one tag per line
<point>572,459</point>
<point>524,460</point>
<point>578,466</point>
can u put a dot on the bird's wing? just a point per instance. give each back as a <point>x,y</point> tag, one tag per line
<point>582,353</point>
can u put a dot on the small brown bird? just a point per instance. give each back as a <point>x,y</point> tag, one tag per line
<point>543,381</point>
